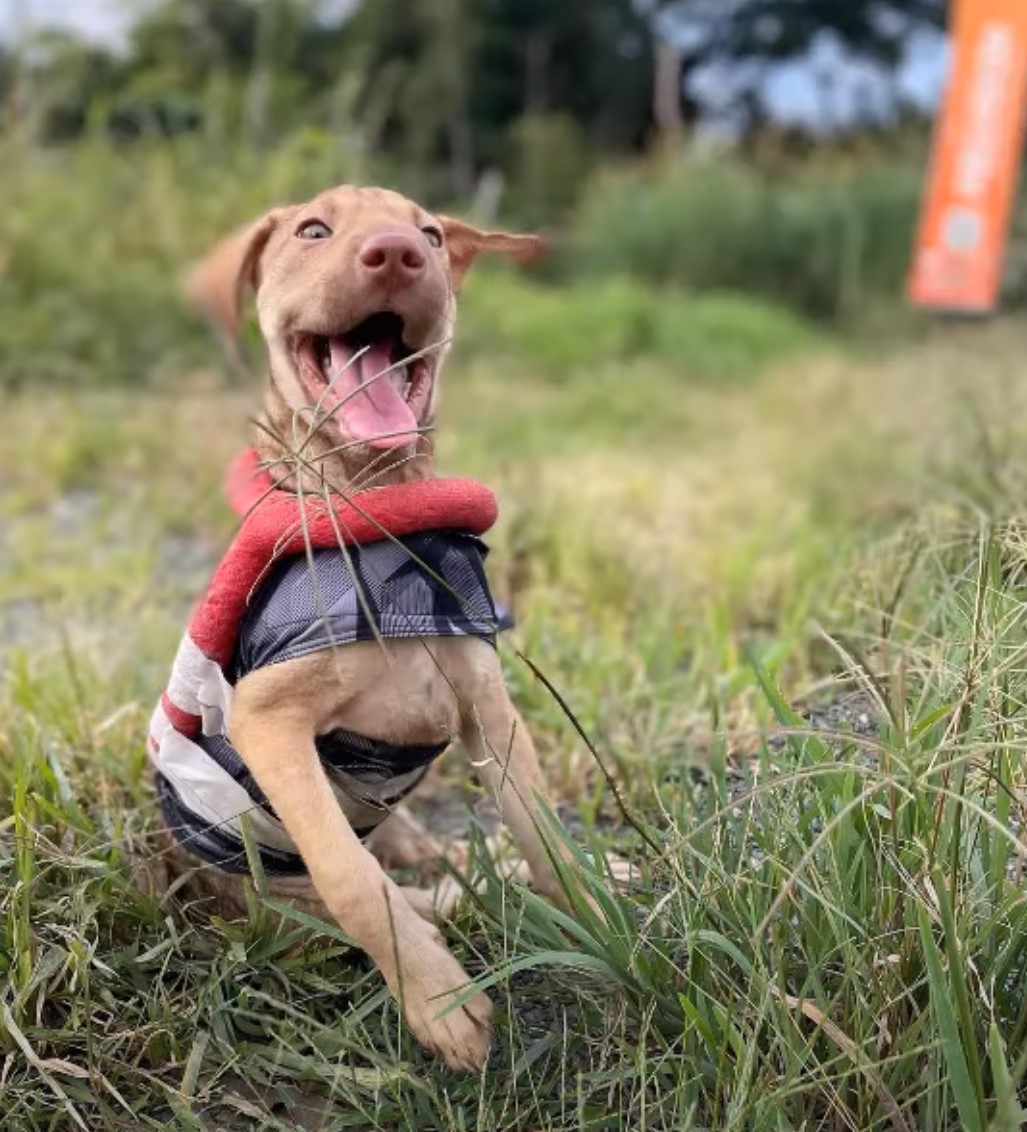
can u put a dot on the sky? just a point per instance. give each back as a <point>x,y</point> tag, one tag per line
<point>828,89</point>
<point>101,20</point>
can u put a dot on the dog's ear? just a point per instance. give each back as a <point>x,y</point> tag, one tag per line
<point>465,243</point>
<point>218,283</point>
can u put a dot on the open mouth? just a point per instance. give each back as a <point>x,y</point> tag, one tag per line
<point>368,380</point>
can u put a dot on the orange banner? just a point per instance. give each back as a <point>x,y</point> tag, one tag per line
<point>975,165</point>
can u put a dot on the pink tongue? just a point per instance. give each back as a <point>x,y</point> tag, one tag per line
<point>374,410</point>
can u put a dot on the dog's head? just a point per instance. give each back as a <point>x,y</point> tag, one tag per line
<point>356,300</point>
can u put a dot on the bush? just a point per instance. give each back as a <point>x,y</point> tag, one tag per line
<point>562,330</point>
<point>549,167</point>
<point>827,245</point>
<point>94,241</point>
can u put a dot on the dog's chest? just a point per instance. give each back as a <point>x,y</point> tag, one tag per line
<point>407,692</point>
<point>397,626</point>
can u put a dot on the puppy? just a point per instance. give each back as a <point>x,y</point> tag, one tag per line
<point>354,655</point>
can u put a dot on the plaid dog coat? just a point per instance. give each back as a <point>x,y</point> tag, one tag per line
<point>413,567</point>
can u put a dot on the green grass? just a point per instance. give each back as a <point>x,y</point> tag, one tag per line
<point>710,515</point>
<point>833,244</point>
<point>557,331</point>
<point>94,243</point>
<point>832,944</point>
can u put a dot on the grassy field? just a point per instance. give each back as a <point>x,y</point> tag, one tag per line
<point>778,580</point>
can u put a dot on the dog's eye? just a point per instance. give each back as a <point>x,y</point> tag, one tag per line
<point>433,236</point>
<point>314,230</point>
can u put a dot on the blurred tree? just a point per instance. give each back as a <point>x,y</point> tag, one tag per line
<point>591,61</point>
<point>786,29</point>
<point>550,162</point>
<point>754,34</point>
<point>416,73</point>
<point>452,78</point>
<point>8,88</point>
<point>6,70</point>
<point>442,90</point>
<point>62,80</point>
<point>202,52</point>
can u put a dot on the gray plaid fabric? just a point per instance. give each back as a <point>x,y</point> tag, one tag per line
<point>428,585</point>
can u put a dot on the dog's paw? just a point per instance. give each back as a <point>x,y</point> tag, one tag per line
<point>432,980</point>
<point>438,903</point>
<point>461,1037</point>
<point>622,872</point>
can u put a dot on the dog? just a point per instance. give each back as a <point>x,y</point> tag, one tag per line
<point>356,299</point>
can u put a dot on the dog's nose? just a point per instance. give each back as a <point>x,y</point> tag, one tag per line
<point>393,256</point>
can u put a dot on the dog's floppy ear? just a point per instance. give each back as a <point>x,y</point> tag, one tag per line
<point>218,283</point>
<point>465,243</point>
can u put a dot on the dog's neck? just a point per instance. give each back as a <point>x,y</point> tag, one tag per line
<point>312,464</point>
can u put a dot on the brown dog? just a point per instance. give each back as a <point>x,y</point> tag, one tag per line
<point>356,284</point>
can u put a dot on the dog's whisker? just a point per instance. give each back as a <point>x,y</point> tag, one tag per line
<point>358,588</point>
<point>419,637</point>
<point>421,430</point>
<point>369,476</point>
<point>387,535</point>
<point>310,462</point>
<point>328,488</point>
<point>424,352</point>
<point>373,470</point>
<point>330,384</point>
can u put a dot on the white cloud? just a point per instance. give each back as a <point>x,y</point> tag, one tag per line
<point>105,21</point>
<point>101,21</point>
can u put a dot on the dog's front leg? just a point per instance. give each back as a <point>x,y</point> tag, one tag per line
<point>506,761</point>
<point>277,744</point>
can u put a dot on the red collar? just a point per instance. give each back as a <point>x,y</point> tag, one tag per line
<point>396,509</point>
<point>275,525</point>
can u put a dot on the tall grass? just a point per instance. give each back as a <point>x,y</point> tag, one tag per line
<point>558,331</point>
<point>828,930</point>
<point>835,941</point>
<point>94,241</point>
<point>840,943</point>
<point>828,244</point>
